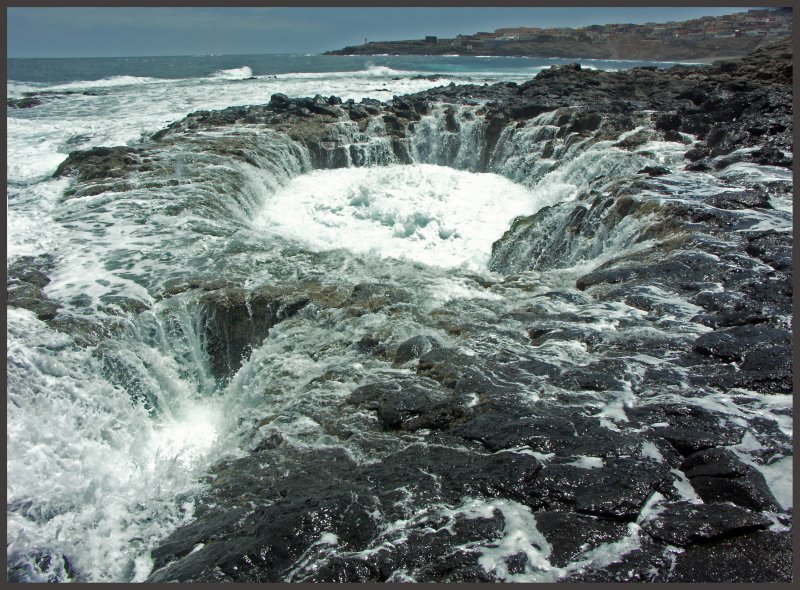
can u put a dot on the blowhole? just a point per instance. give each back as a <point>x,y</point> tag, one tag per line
<point>435,215</point>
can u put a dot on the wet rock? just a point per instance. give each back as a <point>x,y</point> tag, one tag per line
<point>763,556</point>
<point>413,348</point>
<point>715,463</point>
<point>440,554</point>
<point>372,297</point>
<point>684,524</point>
<point>565,436</point>
<point>570,535</point>
<point>371,345</point>
<point>531,110</point>
<point>265,511</point>
<point>358,113</point>
<point>649,562</point>
<point>668,270</point>
<point>654,171</point>
<point>583,122</point>
<point>508,475</point>
<point>235,321</point>
<point>452,474</point>
<point>30,298</point>
<point>772,248</point>
<point>458,566</point>
<point>181,285</point>
<point>771,156</point>
<point>42,568</point>
<point>583,379</point>
<point>740,200</point>
<point>695,154</point>
<point>410,405</point>
<point>85,332</point>
<point>763,354</point>
<point>99,162</point>
<point>279,101</point>
<point>687,428</point>
<point>540,334</point>
<point>26,102</point>
<point>733,344</point>
<point>464,426</point>
<point>620,489</point>
<point>338,569</point>
<point>447,366</point>
<point>27,277</point>
<point>717,475</point>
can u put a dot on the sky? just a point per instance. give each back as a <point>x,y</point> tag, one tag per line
<point>117,32</point>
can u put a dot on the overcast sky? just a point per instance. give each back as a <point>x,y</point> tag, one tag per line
<point>96,32</point>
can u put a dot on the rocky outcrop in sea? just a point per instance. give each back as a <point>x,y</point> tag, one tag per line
<point>609,408</point>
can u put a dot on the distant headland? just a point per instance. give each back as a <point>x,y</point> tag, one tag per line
<point>698,39</point>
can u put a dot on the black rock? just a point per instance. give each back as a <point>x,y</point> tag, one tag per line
<point>749,491</point>
<point>410,405</point>
<point>279,102</point>
<point>27,277</point>
<point>684,524</point>
<point>26,102</point>
<point>235,321</point>
<point>413,348</point>
<point>715,463</point>
<point>371,297</point>
<point>762,556</point>
<point>620,489</point>
<point>717,475</point>
<point>688,428</point>
<point>650,562</point>
<point>570,535</point>
<point>565,436</point>
<point>654,171</point>
<point>99,162</point>
<point>733,344</point>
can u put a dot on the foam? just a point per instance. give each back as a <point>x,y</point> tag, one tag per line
<point>234,73</point>
<point>65,419</point>
<point>110,82</point>
<point>425,213</point>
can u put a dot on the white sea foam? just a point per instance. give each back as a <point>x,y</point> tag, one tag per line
<point>30,228</point>
<point>90,474</point>
<point>234,73</point>
<point>110,82</point>
<point>426,213</point>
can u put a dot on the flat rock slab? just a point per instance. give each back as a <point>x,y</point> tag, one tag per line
<point>684,524</point>
<point>565,436</point>
<point>763,556</point>
<point>571,535</point>
<point>406,404</point>
<point>688,428</point>
<point>717,475</point>
<point>618,490</point>
<point>732,344</point>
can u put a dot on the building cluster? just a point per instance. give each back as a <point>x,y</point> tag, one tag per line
<point>753,23</point>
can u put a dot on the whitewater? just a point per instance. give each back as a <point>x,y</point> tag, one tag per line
<point>118,419</point>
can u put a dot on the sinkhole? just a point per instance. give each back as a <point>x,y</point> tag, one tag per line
<point>425,213</point>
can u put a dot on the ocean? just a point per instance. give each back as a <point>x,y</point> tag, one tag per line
<point>110,442</point>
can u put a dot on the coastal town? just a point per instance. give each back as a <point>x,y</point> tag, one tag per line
<point>727,35</point>
<point>753,23</point>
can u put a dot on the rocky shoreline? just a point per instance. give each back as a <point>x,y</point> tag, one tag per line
<point>685,50</point>
<point>709,302</point>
